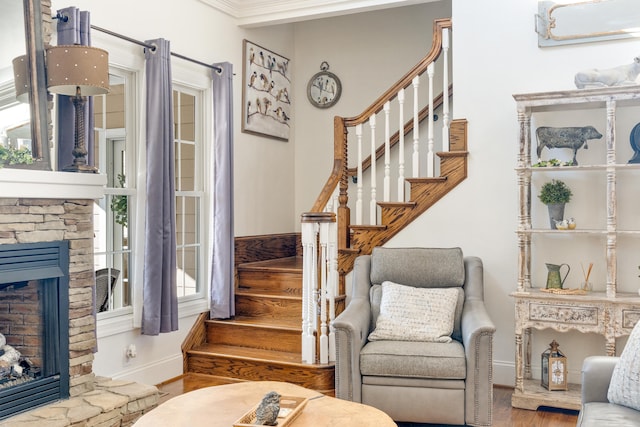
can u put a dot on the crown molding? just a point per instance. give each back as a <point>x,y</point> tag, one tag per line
<point>255,13</point>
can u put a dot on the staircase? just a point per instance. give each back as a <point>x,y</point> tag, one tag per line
<point>279,321</point>
<point>263,340</point>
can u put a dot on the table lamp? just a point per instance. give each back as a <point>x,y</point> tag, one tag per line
<point>78,71</point>
<point>21,78</point>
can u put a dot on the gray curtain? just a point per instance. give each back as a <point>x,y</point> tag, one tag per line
<point>76,30</point>
<point>222,268</point>
<point>160,300</point>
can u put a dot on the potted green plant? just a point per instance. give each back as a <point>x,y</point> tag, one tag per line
<point>15,156</point>
<point>555,194</point>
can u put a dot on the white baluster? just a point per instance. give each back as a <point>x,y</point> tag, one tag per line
<point>416,124</point>
<point>309,284</point>
<point>445,91</point>
<point>324,264</point>
<point>401,146</point>
<point>359,177</point>
<point>373,207</point>
<point>333,286</point>
<point>430,155</point>
<point>387,155</point>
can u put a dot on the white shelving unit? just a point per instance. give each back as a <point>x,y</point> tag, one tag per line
<point>607,311</point>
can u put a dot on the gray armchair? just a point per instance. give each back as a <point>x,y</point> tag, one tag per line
<point>412,381</point>
<point>596,409</point>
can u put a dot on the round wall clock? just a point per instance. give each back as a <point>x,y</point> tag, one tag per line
<point>324,88</point>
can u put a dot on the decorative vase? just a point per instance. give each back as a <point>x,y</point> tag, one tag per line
<point>556,213</point>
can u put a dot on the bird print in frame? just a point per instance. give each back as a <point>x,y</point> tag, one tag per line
<point>266,85</point>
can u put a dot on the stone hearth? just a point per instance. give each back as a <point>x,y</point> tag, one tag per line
<point>49,210</point>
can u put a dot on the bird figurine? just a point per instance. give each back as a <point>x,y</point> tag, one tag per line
<point>267,411</point>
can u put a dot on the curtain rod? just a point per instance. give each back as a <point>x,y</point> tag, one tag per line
<point>149,46</point>
<point>143,44</point>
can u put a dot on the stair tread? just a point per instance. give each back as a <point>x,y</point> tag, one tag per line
<point>368,227</point>
<point>293,294</point>
<point>263,322</point>
<point>431,179</point>
<point>397,204</point>
<point>232,351</point>
<point>291,264</point>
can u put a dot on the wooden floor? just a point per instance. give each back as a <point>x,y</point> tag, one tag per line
<point>503,414</point>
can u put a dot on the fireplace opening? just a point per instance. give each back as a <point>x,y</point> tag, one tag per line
<point>34,325</point>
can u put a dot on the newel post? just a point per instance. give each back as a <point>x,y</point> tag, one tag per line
<point>319,285</point>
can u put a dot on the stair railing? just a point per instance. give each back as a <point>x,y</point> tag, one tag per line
<point>326,228</point>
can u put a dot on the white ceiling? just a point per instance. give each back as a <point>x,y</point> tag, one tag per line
<point>254,13</point>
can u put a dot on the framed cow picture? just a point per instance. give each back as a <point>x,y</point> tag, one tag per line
<point>266,84</point>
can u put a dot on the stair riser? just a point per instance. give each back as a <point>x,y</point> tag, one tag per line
<point>270,280</point>
<point>267,307</point>
<point>454,168</point>
<point>247,336</point>
<point>251,370</point>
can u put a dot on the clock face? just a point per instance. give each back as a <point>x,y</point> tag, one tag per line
<point>324,89</point>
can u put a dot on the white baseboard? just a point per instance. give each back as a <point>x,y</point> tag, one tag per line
<point>504,373</point>
<point>153,373</point>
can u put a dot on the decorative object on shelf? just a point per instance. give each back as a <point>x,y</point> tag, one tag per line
<point>554,280</point>
<point>622,75</point>
<point>266,83</point>
<point>571,224</point>
<point>565,137</point>
<point>554,368</point>
<point>586,285</point>
<point>324,88</point>
<point>562,224</point>
<point>78,71</point>
<point>555,194</point>
<point>634,140</point>
<point>550,163</point>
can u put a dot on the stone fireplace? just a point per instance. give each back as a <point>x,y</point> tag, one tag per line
<point>43,206</point>
<point>34,325</point>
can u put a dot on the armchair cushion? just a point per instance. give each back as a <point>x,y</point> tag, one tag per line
<point>415,314</point>
<point>624,388</point>
<point>413,359</point>
<point>418,267</point>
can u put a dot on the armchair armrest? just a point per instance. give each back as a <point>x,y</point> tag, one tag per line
<point>477,338</point>
<point>351,329</point>
<point>596,376</point>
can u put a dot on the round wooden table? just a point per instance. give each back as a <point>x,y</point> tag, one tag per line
<point>223,405</point>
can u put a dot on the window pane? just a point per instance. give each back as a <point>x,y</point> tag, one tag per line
<point>187,275</point>
<point>111,214</point>
<point>187,117</point>
<point>111,248</point>
<point>187,218</point>
<point>187,167</point>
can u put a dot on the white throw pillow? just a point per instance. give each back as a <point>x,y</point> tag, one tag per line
<point>415,314</point>
<point>624,388</point>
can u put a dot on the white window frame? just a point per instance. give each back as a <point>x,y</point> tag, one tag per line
<point>198,185</point>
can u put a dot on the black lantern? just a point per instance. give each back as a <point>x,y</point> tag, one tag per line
<point>554,368</point>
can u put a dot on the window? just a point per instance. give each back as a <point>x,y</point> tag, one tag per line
<point>189,195</point>
<point>119,216</point>
<point>112,228</point>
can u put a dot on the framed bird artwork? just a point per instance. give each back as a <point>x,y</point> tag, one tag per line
<point>266,84</point>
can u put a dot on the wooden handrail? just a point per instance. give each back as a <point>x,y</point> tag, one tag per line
<point>340,171</point>
<point>404,82</point>
<point>395,138</point>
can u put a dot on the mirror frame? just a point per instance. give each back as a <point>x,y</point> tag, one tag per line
<point>38,97</point>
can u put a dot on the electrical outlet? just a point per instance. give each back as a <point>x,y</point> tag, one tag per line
<point>131,352</point>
